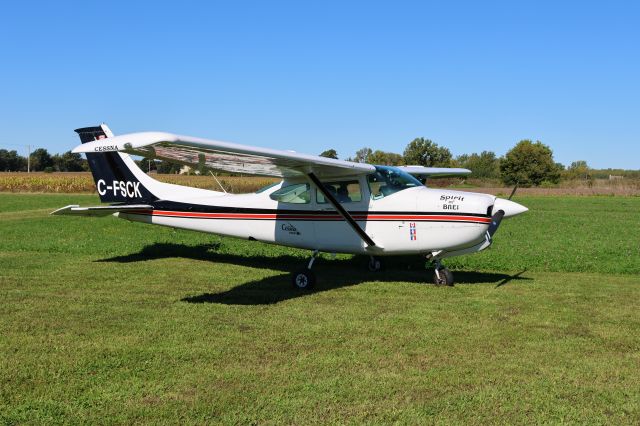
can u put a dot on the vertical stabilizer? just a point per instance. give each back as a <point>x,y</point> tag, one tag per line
<point>116,175</point>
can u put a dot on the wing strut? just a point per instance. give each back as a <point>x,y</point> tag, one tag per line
<point>345,214</point>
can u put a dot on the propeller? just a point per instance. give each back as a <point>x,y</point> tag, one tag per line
<point>495,222</point>
<point>514,191</point>
<point>497,216</point>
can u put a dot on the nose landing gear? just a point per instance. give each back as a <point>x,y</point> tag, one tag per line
<point>441,275</point>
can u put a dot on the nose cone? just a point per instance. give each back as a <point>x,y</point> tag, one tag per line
<point>509,207</point>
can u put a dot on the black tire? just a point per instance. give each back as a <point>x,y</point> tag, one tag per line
<point>375,264</point>
<point>446,277</point>
<point>303,279</point>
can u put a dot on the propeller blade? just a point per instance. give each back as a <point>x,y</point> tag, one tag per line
<point>495,222</point>
<point>513,192</point>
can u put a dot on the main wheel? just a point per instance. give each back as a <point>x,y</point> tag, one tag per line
<point>303,279</point>
<point>375,264</point>
<point>446,277</point>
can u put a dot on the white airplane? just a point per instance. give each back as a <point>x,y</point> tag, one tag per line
<point>321,204</point>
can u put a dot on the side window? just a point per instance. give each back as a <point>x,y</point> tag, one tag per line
<point>345,191</point>
<point>298,193</point>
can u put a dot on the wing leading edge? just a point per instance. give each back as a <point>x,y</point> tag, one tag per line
<point>434,171</point>
<point>225,156</point>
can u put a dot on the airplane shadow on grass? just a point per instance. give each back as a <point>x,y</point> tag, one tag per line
<point>332,274</point>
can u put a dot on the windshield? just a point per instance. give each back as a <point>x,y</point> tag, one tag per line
<point>389,180</point>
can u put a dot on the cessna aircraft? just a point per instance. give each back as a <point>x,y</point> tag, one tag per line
<point>321,204</point>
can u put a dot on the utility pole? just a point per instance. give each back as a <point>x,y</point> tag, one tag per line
<point>28,158</point>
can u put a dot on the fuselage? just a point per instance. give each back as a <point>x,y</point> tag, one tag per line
<point>410,220</point>
<point>322,204</point>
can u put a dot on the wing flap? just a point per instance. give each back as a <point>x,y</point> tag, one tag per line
<point>76,210</point>
<point>225,156</point>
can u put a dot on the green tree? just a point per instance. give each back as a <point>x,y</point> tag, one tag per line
<point>424,152</point>
<point>385,158</point>
<point>167,167</point>
<point>69,162</point>
<point>4,157</point>
<point>362,155</point>
<point>529,163</point>
<point>10,161</point>
<point>484,165</point>
<point>330,153</point>
<point>41,159</point>
<point>147,164</point>
<point>578,170</point>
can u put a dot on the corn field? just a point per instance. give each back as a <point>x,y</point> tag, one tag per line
<point>82,182</point>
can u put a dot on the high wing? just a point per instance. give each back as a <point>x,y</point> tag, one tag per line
<point>225,156</point>
<point>422,171</point>
<point>76,210</point>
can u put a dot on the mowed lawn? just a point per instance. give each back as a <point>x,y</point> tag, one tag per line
<point>106,321</point>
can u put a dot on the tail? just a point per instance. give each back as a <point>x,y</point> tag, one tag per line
<point>116,175</point>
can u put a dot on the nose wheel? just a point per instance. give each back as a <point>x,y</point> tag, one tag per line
<point>441,275</point>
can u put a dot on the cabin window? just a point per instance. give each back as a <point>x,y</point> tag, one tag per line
<point>298,193</point>
<point>389,180</point>
<point>344,191</point>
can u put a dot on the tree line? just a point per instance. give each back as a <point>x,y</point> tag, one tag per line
<point>41,161</point>
<point>528,163</point>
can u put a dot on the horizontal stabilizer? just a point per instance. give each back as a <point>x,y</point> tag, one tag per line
<point>76,210</point>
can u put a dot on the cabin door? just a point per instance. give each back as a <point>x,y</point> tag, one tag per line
<point>333,233</point>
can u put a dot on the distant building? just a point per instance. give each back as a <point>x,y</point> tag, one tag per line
<point>615,177</point>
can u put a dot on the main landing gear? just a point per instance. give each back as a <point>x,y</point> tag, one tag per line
<point>441,275</point>
<point>375,264</point>
<point>305,279</point>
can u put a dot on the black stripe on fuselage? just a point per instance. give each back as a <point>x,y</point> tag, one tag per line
<point>319,219</point>
<point>200,208</point>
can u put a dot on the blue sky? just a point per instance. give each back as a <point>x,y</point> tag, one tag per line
<point>306,76</point>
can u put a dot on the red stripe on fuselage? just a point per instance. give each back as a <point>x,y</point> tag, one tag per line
<point>318,217</point>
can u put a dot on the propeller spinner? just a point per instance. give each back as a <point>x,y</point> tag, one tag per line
<point>503,208</point>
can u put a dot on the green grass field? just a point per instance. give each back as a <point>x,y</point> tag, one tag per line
<point>106,321</point>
